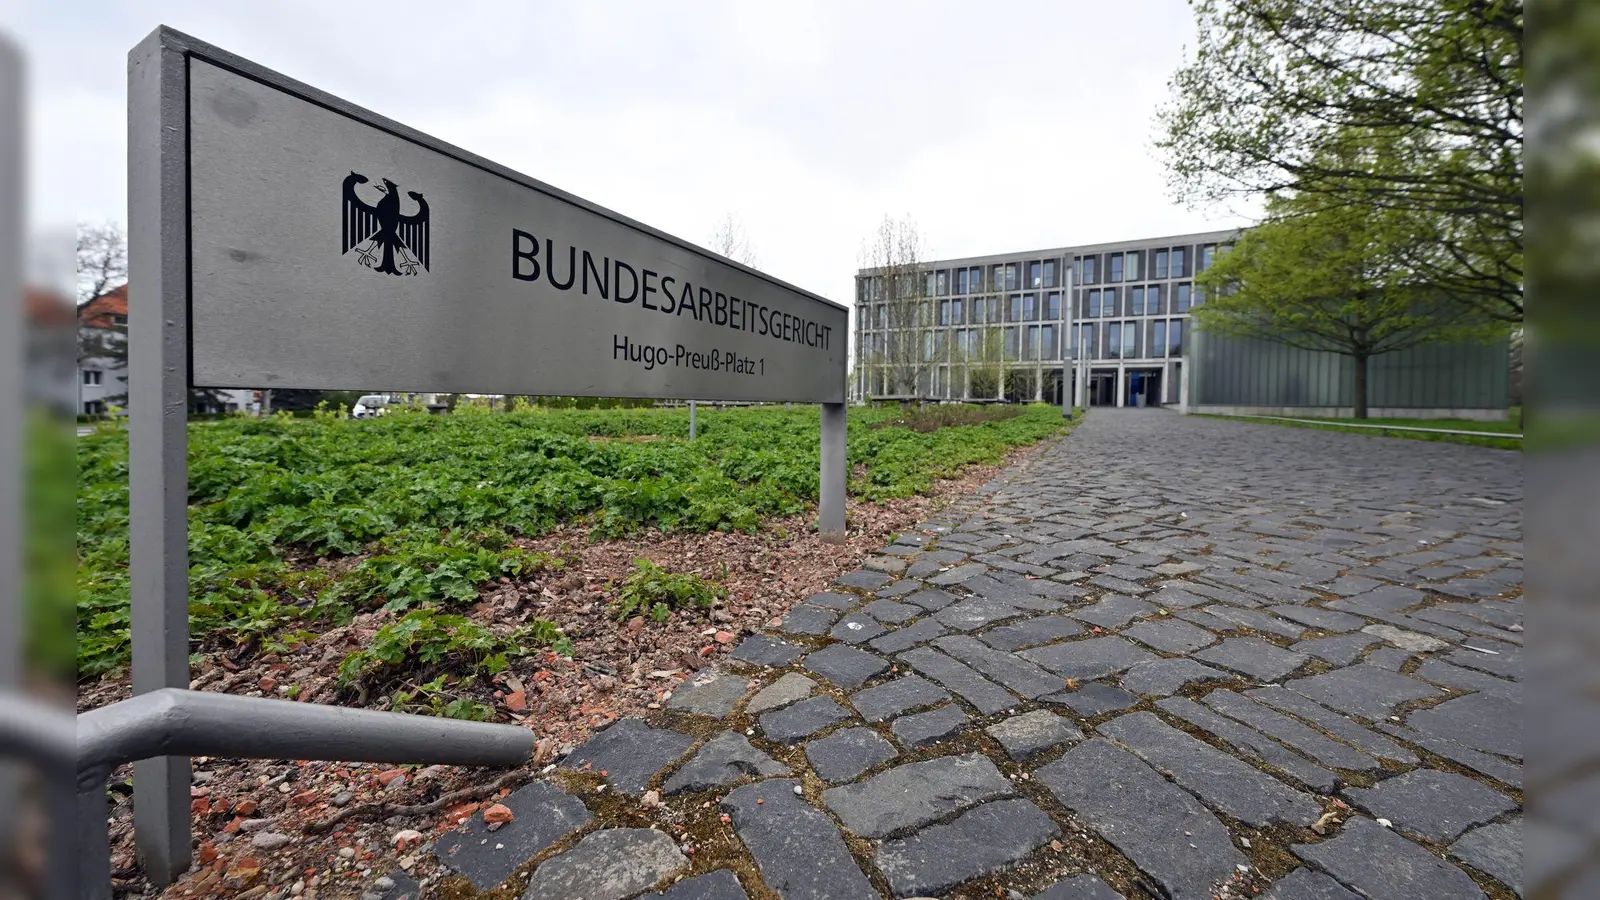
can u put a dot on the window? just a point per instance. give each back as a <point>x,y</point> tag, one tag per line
<point>1050,273</point>
<point>977,310</point>
<point>961,281</point>
<point>1180,297</point>
<point>1030,345</point>
<point>1075,335</point>
<point>944,312</point>
<point>883,315</point>
<point>1152,299</point>
<point>1088,269</point>
<point>1136,301</point>
<point>1077,270</point>
<point>1030,307</point>
<point>1011,343</point>
<point>1108,302</point>
<point>1175,337</point>
<point>933,282</point>
<point>92,376</point>
<point>1134,259</point>
<point>943,283</point>
<point>1047,342</point>
<point>1208,252</point>
<point>93,408</point>
<point>955,313</point>
<point>1035,275</point>
<point>1011,276</point>
<point>1177,262</point>
<point>1160,267</point>
<point>1130,334</point>
<point>927,346</point>
<point>117,319</point>
<point>1052,305</point>
<point>1198,296</point>
<point>1014,308</point>
<point>1114,340</point>
<point>1094,304</point>
<point>1158,337</point>
<point>975,279</point>
<point>1114,267</point>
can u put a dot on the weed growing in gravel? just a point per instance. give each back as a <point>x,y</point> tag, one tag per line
<point>650,589</point>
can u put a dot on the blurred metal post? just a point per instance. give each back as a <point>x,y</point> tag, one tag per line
<point>830,504</point>
<point>158,401</point>
<point>13,325</point>
<point>692,423</point>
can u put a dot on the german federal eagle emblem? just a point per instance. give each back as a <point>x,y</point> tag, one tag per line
<point>385,240</point>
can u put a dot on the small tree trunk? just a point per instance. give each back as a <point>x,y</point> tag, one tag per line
<point>1361,387</point>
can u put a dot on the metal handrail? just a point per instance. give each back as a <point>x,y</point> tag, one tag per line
<point>1385,428</point>
<point>176,722</point>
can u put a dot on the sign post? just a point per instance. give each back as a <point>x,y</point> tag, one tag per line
<point>281,237</point>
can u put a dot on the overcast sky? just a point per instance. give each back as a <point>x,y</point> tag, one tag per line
<point>995,126</point>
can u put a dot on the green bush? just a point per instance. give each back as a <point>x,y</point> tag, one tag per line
<point>426,641</point>
<point>650,589</point>
<point>430,502</point>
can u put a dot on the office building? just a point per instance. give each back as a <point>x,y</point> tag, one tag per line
<point>1111,323</point>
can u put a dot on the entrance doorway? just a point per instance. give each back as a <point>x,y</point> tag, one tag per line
<point>1144,387</point>
<point>1103,387</point>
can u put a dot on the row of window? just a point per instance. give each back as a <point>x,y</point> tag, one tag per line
<point>1136,339</point>
<point>1139,300</point>
<point>1031,342</point>
<point>1140,339</point>
<point>1108,268</point>
<point>964,311</point>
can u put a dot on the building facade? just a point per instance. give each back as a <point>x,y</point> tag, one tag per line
<point>1107,323</point>
<point>102,378</point>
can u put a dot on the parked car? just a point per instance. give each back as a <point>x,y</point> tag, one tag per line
<point>371,405</point>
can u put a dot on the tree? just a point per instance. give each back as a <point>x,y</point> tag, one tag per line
<point>1332,277</point>
<point>731,241</point>
<point>102,267</point>
<point>102,264</point>
<point>911,343</point>
<point>1273,82</point>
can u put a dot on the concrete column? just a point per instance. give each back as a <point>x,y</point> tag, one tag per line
<point>1183,388</point>
<point>830,503</point>
<point>1122,399</point>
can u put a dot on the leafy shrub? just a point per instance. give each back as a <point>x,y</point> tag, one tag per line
<point>432,499</point>
<point>650,589</point>
<point>426,641</point>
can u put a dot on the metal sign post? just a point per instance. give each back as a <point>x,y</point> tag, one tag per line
<point>281,237</point>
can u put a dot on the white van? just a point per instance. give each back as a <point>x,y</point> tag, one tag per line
<point>371,405</point>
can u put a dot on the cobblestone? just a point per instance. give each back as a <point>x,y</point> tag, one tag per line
<point>935,725</point>
<point>1069,591</point>
<point>1166,832</point>
<point>978,842</point>
<point>916,794</point>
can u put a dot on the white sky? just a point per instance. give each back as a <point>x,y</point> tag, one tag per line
<point>995,126</point>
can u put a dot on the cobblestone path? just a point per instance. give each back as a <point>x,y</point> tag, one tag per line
<point>1170,657</point>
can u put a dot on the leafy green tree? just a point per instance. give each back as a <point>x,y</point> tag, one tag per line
<point>1333,278</point>
<point>1273,82</point>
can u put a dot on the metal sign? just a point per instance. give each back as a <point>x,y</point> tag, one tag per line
<point>331,250</point>
<point>279,237</point>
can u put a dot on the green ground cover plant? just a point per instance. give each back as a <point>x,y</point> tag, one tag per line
<point>300,521</point>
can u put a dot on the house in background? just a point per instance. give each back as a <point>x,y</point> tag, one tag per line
<point>103,363</point>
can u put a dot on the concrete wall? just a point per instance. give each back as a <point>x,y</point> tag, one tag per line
<point>1266,378</point>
